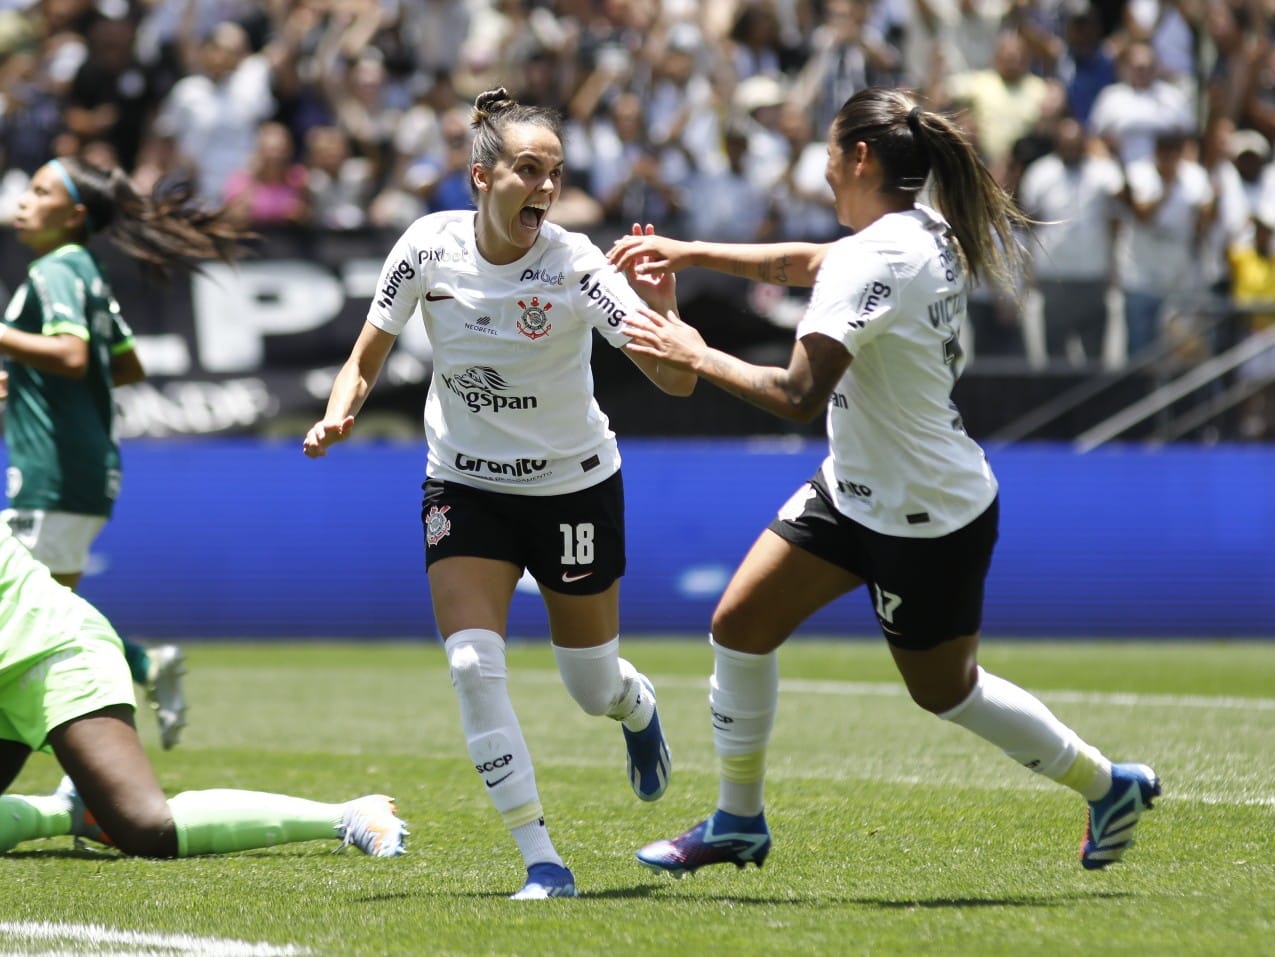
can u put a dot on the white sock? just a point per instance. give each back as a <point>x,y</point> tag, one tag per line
<point>1020,725</point>
<point>603,683</point>
<point>492,734</point>
<point>743,697</point>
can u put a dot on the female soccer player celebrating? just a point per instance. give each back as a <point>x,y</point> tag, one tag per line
<point>906,501</point>
<point>66,346</point>
<point>523,471</point>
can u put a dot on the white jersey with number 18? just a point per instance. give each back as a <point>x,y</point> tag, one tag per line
<point>511,404</point>
<point>894,295</point>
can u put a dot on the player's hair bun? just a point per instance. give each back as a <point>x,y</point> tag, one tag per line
<point>489,103</point>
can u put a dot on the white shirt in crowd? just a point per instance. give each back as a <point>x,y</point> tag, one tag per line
<point>901,463</point>
<point>1161,256</point>
<point>510,405</point>
<point>1075,206</point>
<point>1135,117</point>
<point>215,124</point>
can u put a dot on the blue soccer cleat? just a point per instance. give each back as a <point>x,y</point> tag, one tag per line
<point>649,760</point>
<point>546,880</point>
<point>1112,819</point>
<point>722,839</point>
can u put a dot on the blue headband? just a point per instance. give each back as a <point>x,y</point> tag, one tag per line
<point>73,190</point>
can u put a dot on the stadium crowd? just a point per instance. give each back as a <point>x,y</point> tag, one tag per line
<point>1137,131</point>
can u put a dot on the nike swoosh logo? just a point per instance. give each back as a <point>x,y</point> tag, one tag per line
<point>431,297</point>
<point>492,784</point>
<point>569,578</point>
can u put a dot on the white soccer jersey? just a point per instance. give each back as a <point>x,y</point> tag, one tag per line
<point>894,296</point>
<point>510,405</point>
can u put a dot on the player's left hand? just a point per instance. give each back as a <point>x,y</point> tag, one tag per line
<point>657,289</point>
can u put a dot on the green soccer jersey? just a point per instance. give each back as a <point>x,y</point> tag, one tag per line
<point>62,451</point>
<point>37,615</point>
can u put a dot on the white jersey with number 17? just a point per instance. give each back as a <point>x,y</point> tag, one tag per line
<point>894,295</point>
<point>511,405</point>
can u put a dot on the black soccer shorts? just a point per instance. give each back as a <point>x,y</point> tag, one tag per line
<point>571,543</point>
<point>924,591</point>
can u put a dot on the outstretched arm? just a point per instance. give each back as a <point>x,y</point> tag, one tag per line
<point>350,390</point>
<point>783,264</point>
<point>799,392</point>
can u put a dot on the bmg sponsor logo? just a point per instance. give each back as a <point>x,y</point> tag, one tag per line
<point>394,282</point>
<point>480,387</point>
<point>599,296</point>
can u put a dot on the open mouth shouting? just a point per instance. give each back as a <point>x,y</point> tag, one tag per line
<point>533,214</point>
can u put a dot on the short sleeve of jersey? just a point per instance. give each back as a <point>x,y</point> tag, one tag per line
<point>854,296</point>
<point>398,288</point>
<point>121,332</point>
<point>61,296</point>
<point>605,296</point>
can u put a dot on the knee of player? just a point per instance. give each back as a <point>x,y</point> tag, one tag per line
<point>466,670</point>
<point>153,838</point>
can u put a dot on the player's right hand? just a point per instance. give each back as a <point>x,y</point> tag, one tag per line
<point>324,433</point>
<point>648,253</point>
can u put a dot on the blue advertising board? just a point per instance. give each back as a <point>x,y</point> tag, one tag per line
<point>243,538</point>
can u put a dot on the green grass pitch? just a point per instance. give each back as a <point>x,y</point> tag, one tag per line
<point>895,833</point>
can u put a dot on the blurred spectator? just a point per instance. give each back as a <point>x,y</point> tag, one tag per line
<point>1082,61</point>
<point>365,108</point>
<point>1130,113</point>
<point>442,178</point>
<point>1253,286</point>
<point>112,96</point>
<point>845,57</point>
<point>1007,101</point>
<point>160,159</point>
<point>339,185</point>
<point>728,207</point>
<point>756,107</point>
<point>801,200</point>
<point>635,181</point>
<point>1170,28</point>
<point>950,36</point>
<point>213,114</point>
<point>1258,109</point>
<point>1234,45</point>
<point>755,44</point>
<point>1072,193</point>
<point>682,107</point>
<point>30,113</point>
<point>1170,202</point>
<point>271,189</point>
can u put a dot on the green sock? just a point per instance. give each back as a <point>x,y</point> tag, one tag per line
<point>139,661</point>
<point>24,818</point>
<point>224,820</point>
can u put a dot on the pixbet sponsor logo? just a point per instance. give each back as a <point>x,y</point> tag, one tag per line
<point>394,282</point>
<point>440,255</point>
<point>541,275</point>
<point>480,387</point>
<point>518,468</point>
<point>599,296</point>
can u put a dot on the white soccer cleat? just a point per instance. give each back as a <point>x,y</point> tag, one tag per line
<point>371,824</point>
<point>165,693</point>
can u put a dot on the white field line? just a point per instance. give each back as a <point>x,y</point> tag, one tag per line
<point>79,939</point>
<point>895,689</point>
<point>882,689</point>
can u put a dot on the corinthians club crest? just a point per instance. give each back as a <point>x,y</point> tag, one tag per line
<point>437,525</point>
<point>535,318</point>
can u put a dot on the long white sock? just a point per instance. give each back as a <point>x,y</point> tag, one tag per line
<point>603,683</point>
<point>494,738</point>
<point>1020,725</point>
<point>743,696</point>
